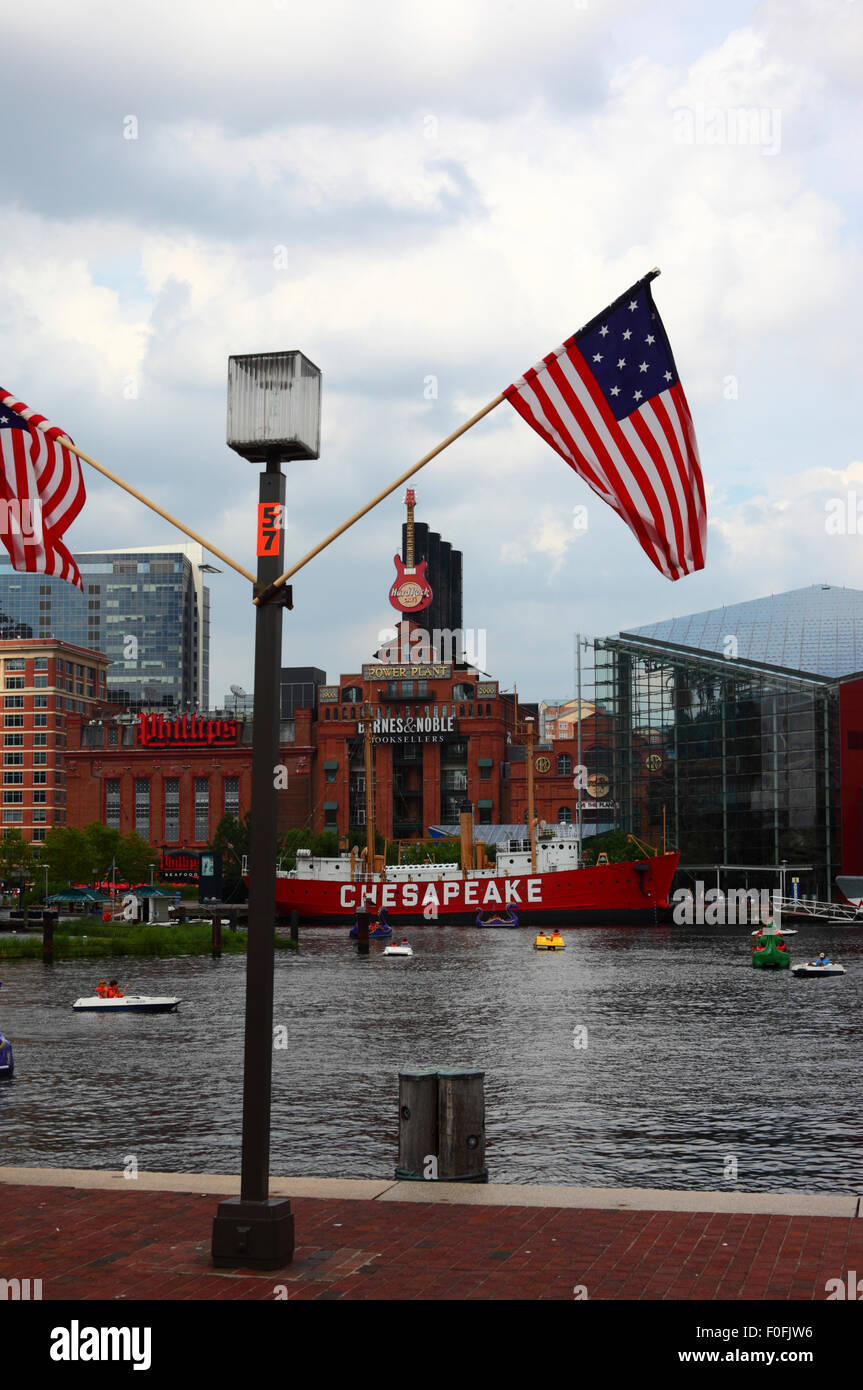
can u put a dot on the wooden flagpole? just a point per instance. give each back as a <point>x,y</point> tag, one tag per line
<point>402,478</point>
<point>67,444</point>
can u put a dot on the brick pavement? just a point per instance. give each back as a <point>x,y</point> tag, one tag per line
<point>96,1244</point>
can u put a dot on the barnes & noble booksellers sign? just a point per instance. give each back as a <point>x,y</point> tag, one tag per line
<point>422,730</point>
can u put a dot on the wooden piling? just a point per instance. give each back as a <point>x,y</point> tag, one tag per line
<point>295,924</point>
<point>217,936</point>
<point>48,919</point>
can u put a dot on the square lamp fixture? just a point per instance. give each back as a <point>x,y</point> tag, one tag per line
<point>274,405</point>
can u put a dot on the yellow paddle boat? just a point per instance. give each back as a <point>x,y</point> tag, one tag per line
<point>549,941</point>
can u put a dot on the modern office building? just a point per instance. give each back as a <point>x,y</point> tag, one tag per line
<point>46,684</point>
<point>146,608</point>
<point>740,730</point>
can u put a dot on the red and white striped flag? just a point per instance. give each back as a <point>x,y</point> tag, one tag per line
<point>41,491</point>
<point>610,402</point>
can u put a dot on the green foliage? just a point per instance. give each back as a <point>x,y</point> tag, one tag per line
<point>80,855</point>
<point>434,851</point>
<point>616,844</point>
<point>86,939</point>
<point>16,857</point>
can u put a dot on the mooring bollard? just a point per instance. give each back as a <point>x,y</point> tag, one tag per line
<point>217,937</point>
<point>295,924</point>
<point>442,1126</point>
<point>48,919</point>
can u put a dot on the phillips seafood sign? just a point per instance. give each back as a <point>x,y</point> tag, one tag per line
<point>155,731</point>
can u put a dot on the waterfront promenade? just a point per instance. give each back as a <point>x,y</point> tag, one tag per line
<point>95,1235</point>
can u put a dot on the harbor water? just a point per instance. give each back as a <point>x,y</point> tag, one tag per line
<point>648,1057</point>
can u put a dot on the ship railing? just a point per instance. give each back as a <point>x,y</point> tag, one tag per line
<point>811,907</point>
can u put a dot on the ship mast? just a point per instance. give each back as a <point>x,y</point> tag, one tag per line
<point>370,791</point>
<point>530,817</point>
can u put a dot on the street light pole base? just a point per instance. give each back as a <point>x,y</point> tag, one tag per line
<point>253,1235</point>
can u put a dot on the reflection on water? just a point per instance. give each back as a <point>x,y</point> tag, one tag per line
<point>691,1057</point>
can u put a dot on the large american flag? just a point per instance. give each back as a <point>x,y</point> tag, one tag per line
<point>41,491</point>
<point>610,402</point>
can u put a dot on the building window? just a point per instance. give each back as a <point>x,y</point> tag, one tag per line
<point>13,759</point>
<point>40,721</point>
<point>172,810</point>
<point>40,682</point>
<point>13,740</point>
<point>422,690</point>
<point>113,736</point>
<point>40,740</point>
<point>15,663</point>
<point>14,721</point>
<point>352,695</point>
<point>13,798</point>
<point>40,797</point>
<point>202,808</point>
<point>40,778</point>
<point>40,758</point>
<point>38,834</point>
<point>14,682</point>
<point>13,702</point>
<point>112,803</point>
<point>142,807</point>
<point>13,779</point>
<point>564,815</point>
<point>40,814</point>
<point>484,774</point>
<point>462,691</point>
<point>12,816</point>
<point>564,765</point>
<point>40,701</point>
<point>232,796</point>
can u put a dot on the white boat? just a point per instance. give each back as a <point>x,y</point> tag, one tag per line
<point>398,950</point>
<point>811,969</point>
<point>127,1004</point>
<point>763,931</point>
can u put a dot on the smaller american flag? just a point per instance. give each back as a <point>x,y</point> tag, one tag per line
<point>41,491</point>
<point>610,402</point>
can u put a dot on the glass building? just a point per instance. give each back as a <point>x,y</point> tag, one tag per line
<point>146,608</point>
<point>732,732</point>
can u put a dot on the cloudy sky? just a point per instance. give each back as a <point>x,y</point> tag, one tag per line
<point>429,197</point>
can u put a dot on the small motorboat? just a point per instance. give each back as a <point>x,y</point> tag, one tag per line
<point>771,931</point>
<point>812,970</point>
<point>379,930</point>
<point>127,1004</point>
<point>401,950</point>
<point>510,920</point>
<point>549,941</point>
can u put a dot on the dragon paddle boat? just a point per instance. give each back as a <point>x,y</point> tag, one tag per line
<point>507,919</point>
<point>769,951</point>
<point>7,1061</point>
<point>379,930</point>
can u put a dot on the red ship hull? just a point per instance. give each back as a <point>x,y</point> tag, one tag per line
<point>615,894</point>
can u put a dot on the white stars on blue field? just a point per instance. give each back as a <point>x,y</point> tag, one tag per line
<point>644,368</point>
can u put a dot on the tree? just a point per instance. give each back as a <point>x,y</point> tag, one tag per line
<point>16,858</point>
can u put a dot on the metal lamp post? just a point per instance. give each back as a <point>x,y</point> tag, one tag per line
<point>273,416</point>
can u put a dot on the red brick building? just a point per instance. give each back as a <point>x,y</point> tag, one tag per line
<point>47,685</point>
<point>172,779</point>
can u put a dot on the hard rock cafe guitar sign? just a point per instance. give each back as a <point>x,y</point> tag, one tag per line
<point>411,592</point>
